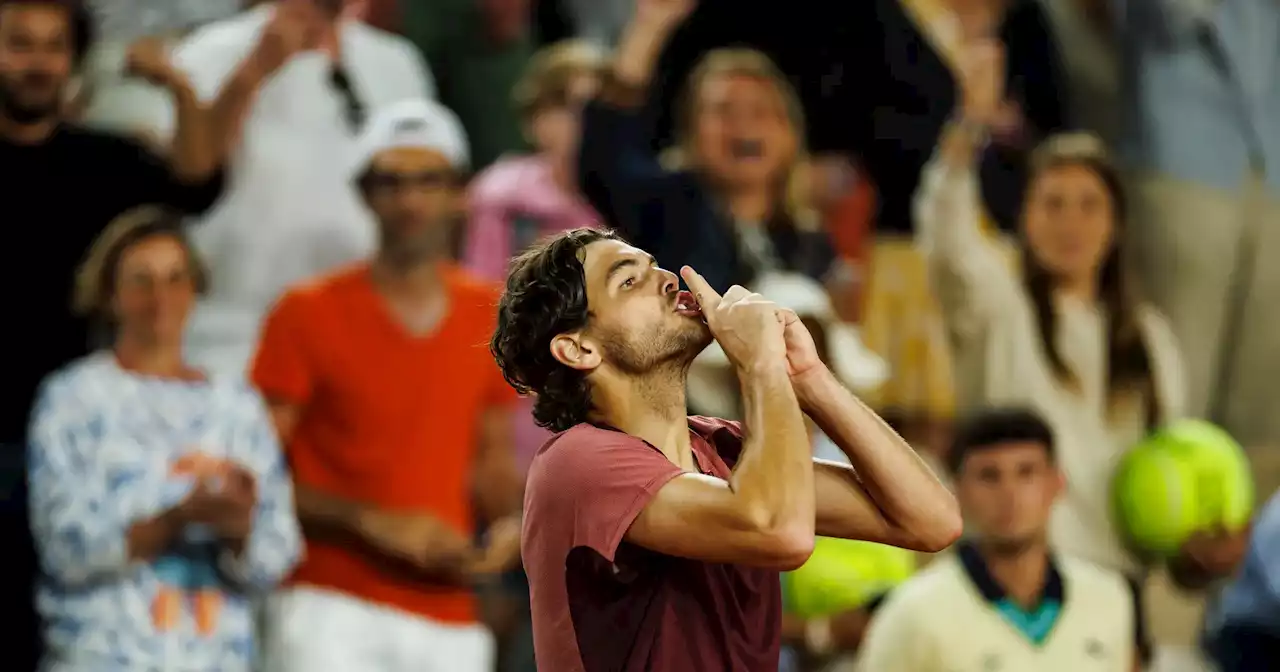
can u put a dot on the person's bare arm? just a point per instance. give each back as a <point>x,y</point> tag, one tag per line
<point>763,515</point>
<point>497,483</point>
<point>889,495</point>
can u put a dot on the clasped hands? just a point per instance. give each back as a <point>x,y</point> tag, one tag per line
<point>754,331</point>
<point>224,502</point>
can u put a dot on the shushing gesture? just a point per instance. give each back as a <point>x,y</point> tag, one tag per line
<point>746,325</point>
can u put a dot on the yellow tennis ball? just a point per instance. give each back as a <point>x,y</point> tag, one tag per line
<point>1188,477</point>
<point>843,574</point>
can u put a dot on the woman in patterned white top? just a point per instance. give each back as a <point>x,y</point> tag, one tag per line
<point>160,502</point>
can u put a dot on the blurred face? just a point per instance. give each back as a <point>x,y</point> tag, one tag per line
<point>416,196</point>
<point>35,60</point>
<point>1006,492</point>
<point>1069,221</point>
<point>155,289</point>
<point>640,320</point>
<point>555,128</point>
<point>742,135</point>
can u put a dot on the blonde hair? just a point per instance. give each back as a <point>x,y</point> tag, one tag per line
<point>551,72</point>
<point>796,197</point>
<point>95,281</point>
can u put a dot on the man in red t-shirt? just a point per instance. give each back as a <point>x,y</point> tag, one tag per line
<point>652,540</point>
<point>396,424</point>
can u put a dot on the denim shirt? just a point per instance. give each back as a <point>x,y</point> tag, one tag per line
<point>1204,81</point>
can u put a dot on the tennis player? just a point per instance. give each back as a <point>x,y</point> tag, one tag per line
<point>653,541</point>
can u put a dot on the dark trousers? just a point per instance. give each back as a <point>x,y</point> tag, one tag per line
<point>17,610</point>
<point>1244,648</point>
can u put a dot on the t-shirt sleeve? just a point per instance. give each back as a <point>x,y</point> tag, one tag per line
<point>596,482</point>
<point>725,435</point>
<point>281,369</point>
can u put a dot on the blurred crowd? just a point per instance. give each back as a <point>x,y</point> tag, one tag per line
<point>255,424</point>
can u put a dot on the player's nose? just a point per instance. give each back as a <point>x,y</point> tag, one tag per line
<point>670,282</point>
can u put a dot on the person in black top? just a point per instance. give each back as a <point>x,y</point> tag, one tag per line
<point>61,186</point>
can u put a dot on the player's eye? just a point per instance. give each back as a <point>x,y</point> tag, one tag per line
<point>628,283</point>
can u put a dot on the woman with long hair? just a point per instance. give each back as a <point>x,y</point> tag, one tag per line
<point>160,501</point>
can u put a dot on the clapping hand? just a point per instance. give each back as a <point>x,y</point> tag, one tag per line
<point>225,503</point>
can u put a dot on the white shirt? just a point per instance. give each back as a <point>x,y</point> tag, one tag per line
<point>938,621</point>
<point>291,210</point>
<point>109,448</point>
<point>999,361</point>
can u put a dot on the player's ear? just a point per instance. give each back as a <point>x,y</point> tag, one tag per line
<point>575,352</point>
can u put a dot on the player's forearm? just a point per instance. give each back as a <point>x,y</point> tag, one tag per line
<point>774,475</point>
<point>893,475</point>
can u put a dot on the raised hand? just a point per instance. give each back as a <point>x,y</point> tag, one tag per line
<point>981,81</point>
<point>501,551</point>
<point>665,13</point>
<point>746,325</point>
<point>293,28</point>
<point>148,59</point>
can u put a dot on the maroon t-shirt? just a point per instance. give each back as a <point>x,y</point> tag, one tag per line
<point>601,604</point>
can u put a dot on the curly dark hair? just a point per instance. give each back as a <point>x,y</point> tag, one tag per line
<point>546,295</point>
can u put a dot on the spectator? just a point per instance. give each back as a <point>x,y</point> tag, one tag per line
<point>734,202</point>
<point>1067,339</point>
<point>523,198</point>
<point>1244,628</point>
<point>395,418</point>
<point>159,498</point>
<point>289,83</point>
<point>113,100</point>
<point>64,183</point>
<point>1004,600</point>
<point>897,109</point>
<point>1204,141</point>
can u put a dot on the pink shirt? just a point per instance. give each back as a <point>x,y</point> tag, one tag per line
<point>512,204</point>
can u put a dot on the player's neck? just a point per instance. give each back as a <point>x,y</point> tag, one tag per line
<point>651,409</point>
<point>1020,573</point>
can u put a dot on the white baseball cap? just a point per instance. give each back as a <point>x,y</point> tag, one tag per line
<point>418,123</point>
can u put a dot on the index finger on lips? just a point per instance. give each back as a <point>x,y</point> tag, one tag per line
<point>707,297</point>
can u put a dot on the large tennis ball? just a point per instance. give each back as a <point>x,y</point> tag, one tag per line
<point>843,574</point>
<point>1188,477</point>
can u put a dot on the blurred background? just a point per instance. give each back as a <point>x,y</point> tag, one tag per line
<point>881,165</point>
